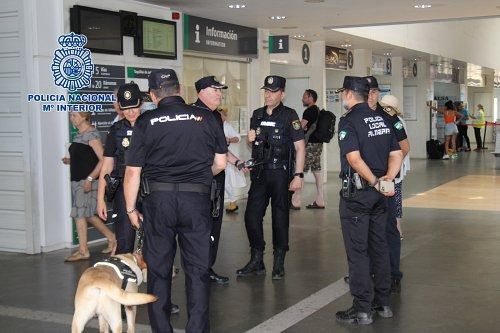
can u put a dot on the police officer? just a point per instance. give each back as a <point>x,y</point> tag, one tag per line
<point>117,143</point>
<point>275,135</point>
<point>392,232</point>
<point>209,98</point>
<point>179,149</point>
<point>369,156</point>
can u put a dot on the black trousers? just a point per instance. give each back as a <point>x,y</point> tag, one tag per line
<point>462,134</point>
<point>479,140</point>
<point>363,218</point>
<point>217,221</point>
<point>393,239</point>
<point>268,185</point>
<point>185,215</point>
<point>125,233</point>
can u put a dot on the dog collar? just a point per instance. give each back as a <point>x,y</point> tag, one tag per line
<point>124,271</point>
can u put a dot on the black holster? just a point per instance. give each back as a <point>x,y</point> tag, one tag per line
<point>144,189</point>
<point>112,185</point>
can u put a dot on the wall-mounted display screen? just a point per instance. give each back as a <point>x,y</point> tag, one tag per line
<point>102,28</point>
<point>156,38</point>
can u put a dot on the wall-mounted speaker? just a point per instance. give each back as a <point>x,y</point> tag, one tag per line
<point>129,23</point>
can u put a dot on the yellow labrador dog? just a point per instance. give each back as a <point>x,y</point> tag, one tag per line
<point>100,293</point>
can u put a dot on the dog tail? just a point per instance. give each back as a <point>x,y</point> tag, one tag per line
<point>126,298</point>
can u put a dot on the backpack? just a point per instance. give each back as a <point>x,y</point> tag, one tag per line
<point>435,149</point>
<point>323,128</point>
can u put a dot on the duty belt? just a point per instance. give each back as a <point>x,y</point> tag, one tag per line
<point>282,165</point>
<point>180,187</point>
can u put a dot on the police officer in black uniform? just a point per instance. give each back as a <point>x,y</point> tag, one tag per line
<point>117,143</point>
<point>369,156</point>
<point>276,136</point>
<point>209,98</point>
<point>392,232</point>
<point>179,149</point>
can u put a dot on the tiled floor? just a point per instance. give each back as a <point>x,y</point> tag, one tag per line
<point>451,266</point>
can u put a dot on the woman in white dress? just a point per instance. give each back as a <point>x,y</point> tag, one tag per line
<point>234,177</point>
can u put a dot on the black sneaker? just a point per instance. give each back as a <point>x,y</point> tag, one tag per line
<point>395,286</point>
<point>350,316</point>
<point>383,311</point>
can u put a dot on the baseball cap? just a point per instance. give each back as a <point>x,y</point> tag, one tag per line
<point>354,83</point>
<point>372,82</point>
<point>208,81</point>
<point>162,78</point>
<point>129,96</point>
<point>390,102</point>
<point>274,83</point>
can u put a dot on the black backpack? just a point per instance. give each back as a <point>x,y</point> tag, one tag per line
<point>323,128</point>
<point>435,149</point>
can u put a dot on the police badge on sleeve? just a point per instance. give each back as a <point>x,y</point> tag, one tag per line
<point>296,125</point>
<point>72,66</point>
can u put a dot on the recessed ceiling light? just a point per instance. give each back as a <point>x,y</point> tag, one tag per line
<point>299,36</point>
<point>277,17</point>
<point>422,6</point>
<point>345,45</point>
<point>238,6</point>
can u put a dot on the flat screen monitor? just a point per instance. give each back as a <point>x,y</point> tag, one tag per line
<point>156,38</point>
<point>102,28</point>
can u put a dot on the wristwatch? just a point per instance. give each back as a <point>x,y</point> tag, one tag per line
<point>300,174</point>
<point>90,179</point>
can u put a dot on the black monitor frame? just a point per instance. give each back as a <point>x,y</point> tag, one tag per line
<point>138,41</point>
<point>76,27</point>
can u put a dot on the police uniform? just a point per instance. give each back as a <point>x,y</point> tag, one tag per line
<point>175,145</point>
<point>274,148</point>
<point>117,143</point>
<point>392,233</point>
<point>363,212</point>
<point>217,210</point>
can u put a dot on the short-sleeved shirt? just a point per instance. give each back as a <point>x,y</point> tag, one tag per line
<point>83,159</point>
<point>362,130</point>
<point>465,116</point>
<point>311,115</point>
<point>117,143</point>
<point>281,128</point>
<point>220,177</point>
<point>176,143</point>
<point>395,123</point>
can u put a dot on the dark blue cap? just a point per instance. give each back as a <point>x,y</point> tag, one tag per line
<point>355,83</point>
<point>274,83</point>
<point>208,81</point>
<point>372,82</point>
<point>162,78</point>
<point>129,96</point>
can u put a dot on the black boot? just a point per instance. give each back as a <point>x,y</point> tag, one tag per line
<point>255,266</point>
<point>278,265</point>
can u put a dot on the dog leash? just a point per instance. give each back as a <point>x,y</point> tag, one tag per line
<point>139,240</point>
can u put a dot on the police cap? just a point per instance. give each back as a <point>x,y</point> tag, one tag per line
<point>129,96</point>
<point>372,82</point>
<point>208,81</point>
<point>354,83</point>
<point>161,78</point>
<point>274,83</point>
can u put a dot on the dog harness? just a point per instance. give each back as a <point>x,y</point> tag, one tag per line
<point>124,271</point>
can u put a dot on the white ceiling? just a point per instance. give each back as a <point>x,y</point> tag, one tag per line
<point>315,20</point>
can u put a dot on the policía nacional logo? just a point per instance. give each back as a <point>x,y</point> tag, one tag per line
<point>72,66</point>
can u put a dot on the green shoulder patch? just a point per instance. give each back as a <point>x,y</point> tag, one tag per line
<point>296,125</point>
<point>398,126</point>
